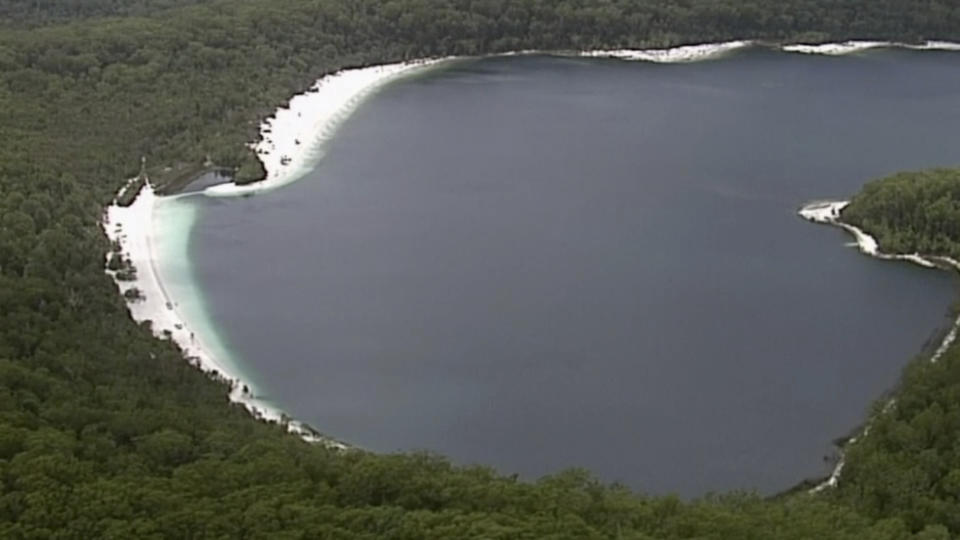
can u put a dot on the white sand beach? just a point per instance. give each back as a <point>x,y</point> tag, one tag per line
<point>133,227</point>
<point>292,139</point>
<point>682,54</point>
<point>850,47</point>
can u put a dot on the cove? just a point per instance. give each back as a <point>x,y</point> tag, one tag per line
<point>540,262</point>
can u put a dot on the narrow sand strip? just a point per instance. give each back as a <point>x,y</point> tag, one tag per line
<point>292,139</point>
<point>850,47</point>
<point>675,55</point>
<point>828,212</point>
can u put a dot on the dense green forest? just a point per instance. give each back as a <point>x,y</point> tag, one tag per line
<point>911,212</point>
<point>106,432</point>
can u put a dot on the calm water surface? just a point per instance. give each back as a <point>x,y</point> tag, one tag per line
<point>537,263</point>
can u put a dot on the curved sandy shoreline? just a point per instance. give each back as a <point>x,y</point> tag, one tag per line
<point>291,143</point>
<point>675,55</point>
<point>829,213</point>
<point>849,47</point>
<point>133,228</point>
<point>291,139</point>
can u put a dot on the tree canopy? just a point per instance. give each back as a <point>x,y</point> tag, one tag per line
<point>106,432</point>
<point>911,212</point>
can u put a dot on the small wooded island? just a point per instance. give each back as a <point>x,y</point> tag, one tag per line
<point>107,432</point>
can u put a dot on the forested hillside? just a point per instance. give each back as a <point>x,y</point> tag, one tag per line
<point>106,432</point>
<point>41,12</point>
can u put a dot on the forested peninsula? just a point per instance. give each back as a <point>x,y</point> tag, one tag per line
<point>106,432</point>
<point>911,212</point>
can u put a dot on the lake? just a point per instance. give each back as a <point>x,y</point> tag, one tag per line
<point>541,262</point>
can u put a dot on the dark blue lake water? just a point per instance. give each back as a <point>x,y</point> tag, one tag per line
<point>537,262</point>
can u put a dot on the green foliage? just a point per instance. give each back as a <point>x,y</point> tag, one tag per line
<point>250,170</point>
<point>106,432</point>
<point>911,212</point>
<point>909,465</point>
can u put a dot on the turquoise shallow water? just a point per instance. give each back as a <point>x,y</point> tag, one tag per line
<point>537,263</point>
<point>174,219</point>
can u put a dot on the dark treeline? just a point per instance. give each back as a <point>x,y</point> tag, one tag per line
<point>42,12</point>
<point>911,212</point>
<point>106,432</point>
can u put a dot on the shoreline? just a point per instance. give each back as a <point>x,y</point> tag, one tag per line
<point>854,46</point>
<point>290,144</point>
<point>707,51</point>
<point>829,213</point>
<point>132,227</point>
<point>291,139</point>
<point>673,55</point>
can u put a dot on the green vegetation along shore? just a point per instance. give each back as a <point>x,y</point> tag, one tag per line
<point>105,432</point>
<point>911,212</point>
